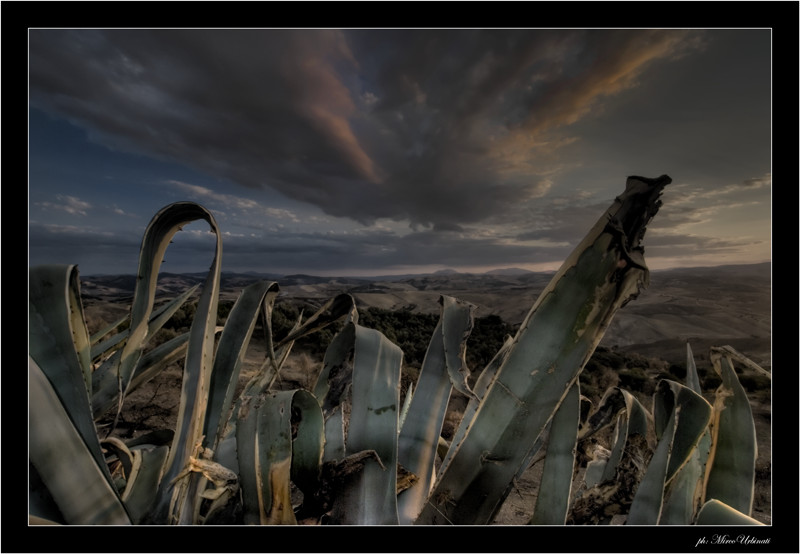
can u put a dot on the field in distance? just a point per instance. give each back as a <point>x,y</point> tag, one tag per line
<point>710,306</point>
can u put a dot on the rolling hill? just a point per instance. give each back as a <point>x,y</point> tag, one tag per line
<point>706,305</point>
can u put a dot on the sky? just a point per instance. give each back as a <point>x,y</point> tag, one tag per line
<point>386,151</point>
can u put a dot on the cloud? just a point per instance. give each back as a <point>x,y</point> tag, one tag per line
<point>701,250</point>
<point>231,201</point>
<point>364,124</point>
<point>693,204</point>
<point>119,211</point>
<point>94,250</point>
<point>759,182</point>
<point>205,193</point>
<point>68,204</point>
<point>609,64</point>
<point>57,232</point>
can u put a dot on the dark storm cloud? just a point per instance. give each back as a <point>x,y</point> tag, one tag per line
<point>442,128</point>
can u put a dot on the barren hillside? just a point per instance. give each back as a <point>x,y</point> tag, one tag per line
<point>716,305</point>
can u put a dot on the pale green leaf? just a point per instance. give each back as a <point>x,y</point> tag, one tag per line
<point>604,272</point>
<point>683,415</point>
<point>370,498</point>
<point>420,432</point>
<point>730,474</point>
<point>230,355</point>
<point>718,513</point>
<point>553,499</point>
<point>81,489</point>
<point>58,341</point>
<point>176,503</point>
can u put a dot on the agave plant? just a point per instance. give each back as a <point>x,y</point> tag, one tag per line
<point>356,452</point>
<point>669,454</point>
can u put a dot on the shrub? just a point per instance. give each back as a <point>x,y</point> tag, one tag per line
<point>635,379</point>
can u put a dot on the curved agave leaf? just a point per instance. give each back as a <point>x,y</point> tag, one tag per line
<point>715,512</point>
<point>730,472</point>
<point>456,328</point>
<point>230,354</point>
<point>635,422</point>
<point>556,339</point>
<point>552,502</point>
<point>115,447</point>
<point>687,415</point>
<point>82,489</point>
<point>604,414</point>
<point>481,385</point>
<point>342,307</point>
<point>734,354</point>
<point>159,437</point>
<point>610,475</point>
<point>680,504</point>
<point>157,237</point>
<point>308,441</point>
<point>332,390</point>
<point>422,426</point>
<point>247,449</point>
<point>271,453</point>
<point>646,506</point>
<point>694,416</point>
<point>143,480</point>
<point>182,495</point>
<point>336,309</point>
<point>631,418</point>
<point>59,343</point>
<point>685,493</point>
<point>370,496</point>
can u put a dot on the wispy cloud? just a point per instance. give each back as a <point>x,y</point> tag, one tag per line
<point>68,204</point>
<point>230,201</point>
<point>759,182</point>
<point>691,204</point>
<point>67,230</point>
<point>204,193</point>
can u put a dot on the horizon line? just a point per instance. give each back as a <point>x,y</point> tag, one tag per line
<point>441,271</point>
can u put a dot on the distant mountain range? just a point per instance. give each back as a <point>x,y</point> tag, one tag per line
<point>705,305</point>
<point>233,279</point>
